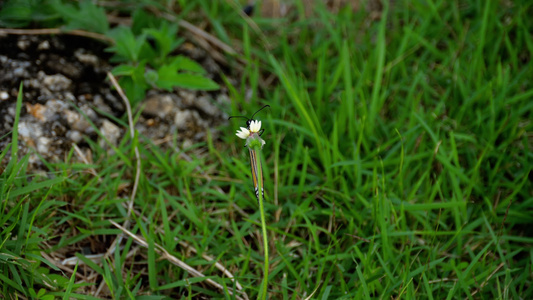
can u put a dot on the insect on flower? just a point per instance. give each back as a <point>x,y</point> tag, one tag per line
<point>252,134</point>
<point>249,121</point>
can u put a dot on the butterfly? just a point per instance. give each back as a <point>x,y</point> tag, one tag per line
<point>253,127</point>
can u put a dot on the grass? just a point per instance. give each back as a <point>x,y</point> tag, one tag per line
<point>397,165</point>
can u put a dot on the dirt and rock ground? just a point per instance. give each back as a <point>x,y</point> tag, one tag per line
<point>68,99</point>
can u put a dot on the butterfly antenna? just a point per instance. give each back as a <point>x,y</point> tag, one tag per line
<point>238,117</point>
<point>259,111</point>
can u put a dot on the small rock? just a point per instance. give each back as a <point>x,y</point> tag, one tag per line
<point>100,104</point>
<point>59,64</point>
<point>204,103</point>
<point>23,44</point>
<point>4,95</point>
<point>24,129</point>
<point>158,106</point>
<point>85,58</point>
<point>69,96</point>
<point>187,97</point>
<point>114,103</point>
<point>89,112</point>
<point>21,72</point>
<point>186,144</point>
<point>57,82</point>
<point>54,109</point>
<point>32,83</point>
<point>44,45</point>
<point>30,132</point>
<point>37,111</point>
<point>34,159</point>
<point>111,132</point>
<point>57,127</point>
<point>74,136</point>
<point>181,119</point>
<point>77,121</point>
<point>11,110</point>
<point>7,122</point>
<point>199,120</point>
<point>43,144</point>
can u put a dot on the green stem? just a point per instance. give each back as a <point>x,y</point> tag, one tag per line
<point>263,221</point>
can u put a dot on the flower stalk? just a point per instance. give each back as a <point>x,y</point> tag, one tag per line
<point>260,199</point>
<point>255,143</point>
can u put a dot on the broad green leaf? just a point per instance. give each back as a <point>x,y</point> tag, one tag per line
<point>165,37</point>
<point>87,16</point>
<point>127,47</point>
<point>123,70</point>
<point>22,13</point>
<point>170,78</point>
<point>187,64</point>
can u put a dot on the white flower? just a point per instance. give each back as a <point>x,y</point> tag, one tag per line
<point>255,126</point>
<point>244,133</point>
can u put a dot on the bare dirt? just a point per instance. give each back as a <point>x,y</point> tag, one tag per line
<point>68,99</point>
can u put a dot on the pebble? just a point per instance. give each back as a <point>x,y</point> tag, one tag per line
<point>159,106</point>
<point>43,144</point>
<point>4,95</point>
<point>89,112</point>
<point>86,58</point>
<point>98,101</point>
<point>187,97</point>
<point>74,136</point>
<point>44,45</point>
<point>111,133</point>
<point>54,109</point>
<point>30,133</point>
<point>23,44</point>
<point>37,110</point>
<point>57,82</point>
<point>21,72</point>
<point>77,121</point>
<point>181,118</point>
<point>205,104</point>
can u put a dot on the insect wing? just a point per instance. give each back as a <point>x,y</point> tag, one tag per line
<point>256,176</point>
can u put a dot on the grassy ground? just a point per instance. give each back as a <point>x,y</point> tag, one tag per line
<point>397,165</point>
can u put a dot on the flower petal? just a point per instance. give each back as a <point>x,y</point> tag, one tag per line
<point>255,126</point>
<point>243,133</point>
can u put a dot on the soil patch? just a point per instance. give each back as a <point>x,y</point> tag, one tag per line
<point>68,100</point>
